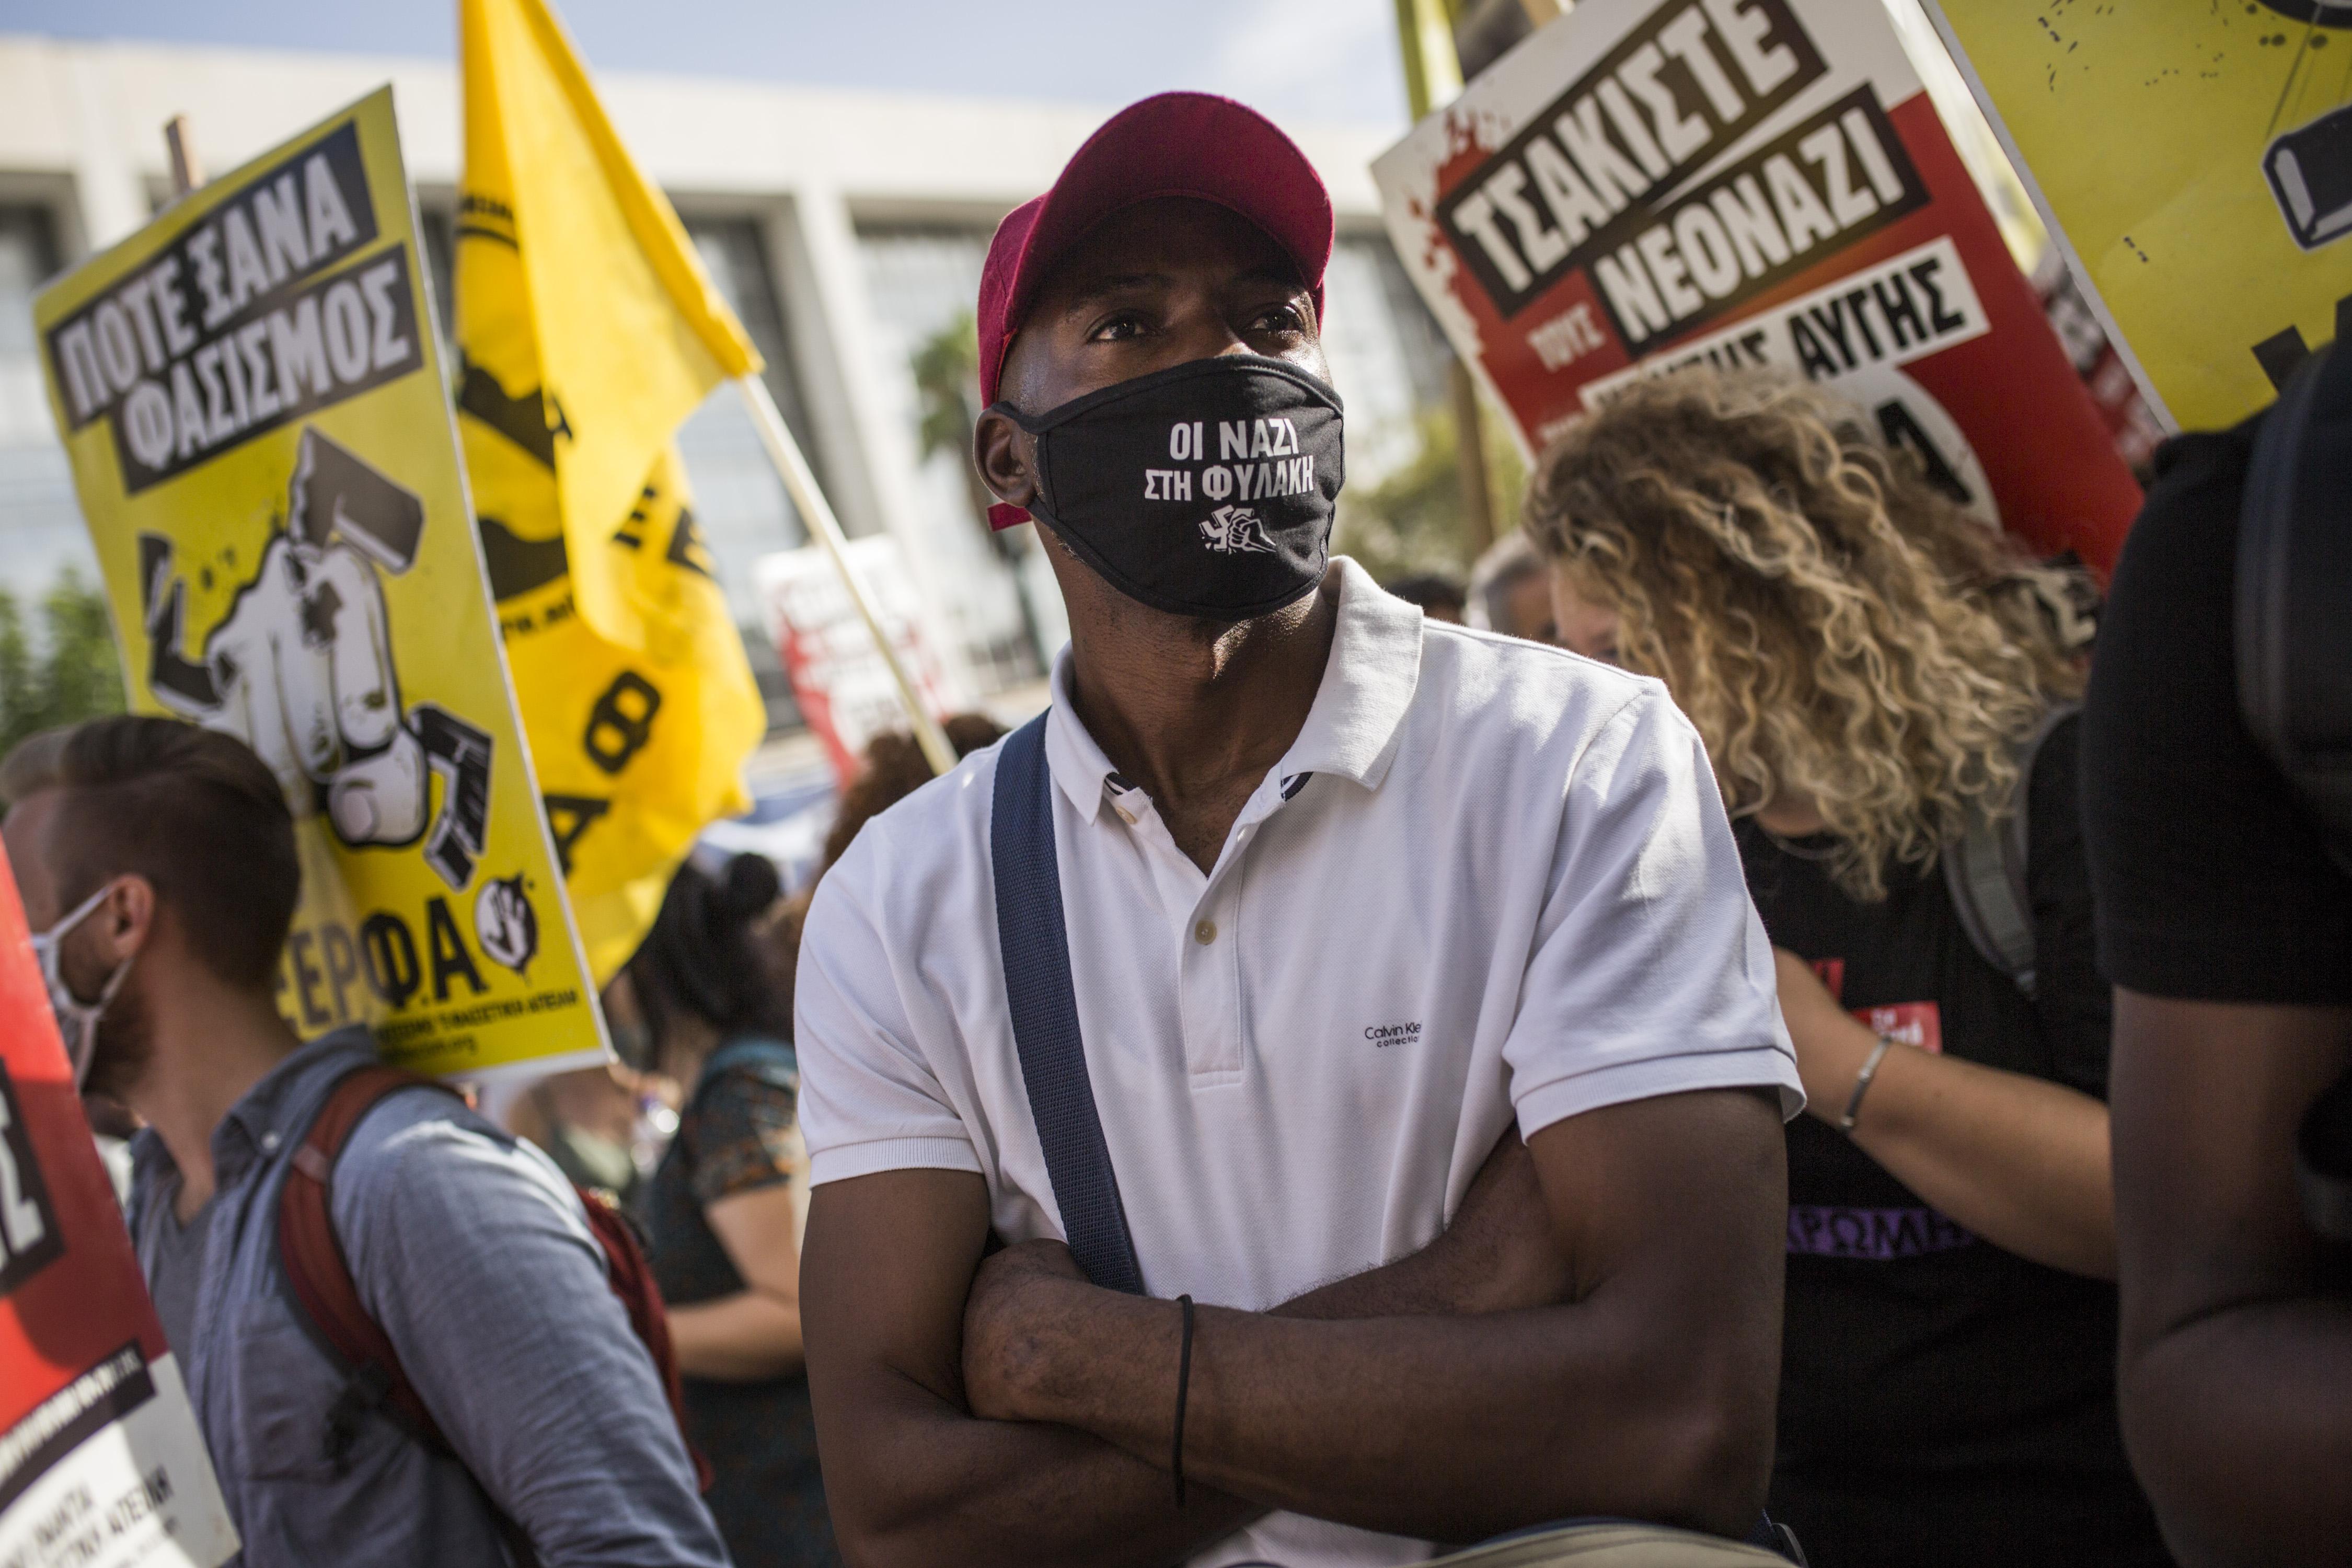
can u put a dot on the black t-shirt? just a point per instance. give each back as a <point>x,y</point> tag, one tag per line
<point>1931,1381</point>
<point>2213,883</point>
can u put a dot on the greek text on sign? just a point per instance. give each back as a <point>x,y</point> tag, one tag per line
<point>1703,74</point>
<point>236,328</point>
<point>1919,303</point>
<point>254,407</point>
<point>1643,183</point>
<point>30,1237</point>
<point>1835,177</point>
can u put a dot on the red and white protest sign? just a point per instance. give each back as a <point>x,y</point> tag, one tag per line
<point>101,1464</point>
<point>1752,182</point>
<point>844,688</point>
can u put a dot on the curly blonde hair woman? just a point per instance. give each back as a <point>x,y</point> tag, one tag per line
<point>1834,627</point>
<point>1864,659</point>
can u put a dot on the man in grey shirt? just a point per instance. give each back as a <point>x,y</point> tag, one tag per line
<point>159,860</point>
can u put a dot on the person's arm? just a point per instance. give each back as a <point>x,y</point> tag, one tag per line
<point>739,1147</point>
<point>2019,1161</point>
<point>1648,1393</point>
<point>472,1253</point>
<point>2236,1372</point>
<point>897,1221</point>
<point>913,1477</point>
<point>755,1332</point>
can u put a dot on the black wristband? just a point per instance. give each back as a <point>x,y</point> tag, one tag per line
<point>1184,1387</point>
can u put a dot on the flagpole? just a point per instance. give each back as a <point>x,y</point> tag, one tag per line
<point>801,485</point>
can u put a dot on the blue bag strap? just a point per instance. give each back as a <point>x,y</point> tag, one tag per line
<point>1035,943</point>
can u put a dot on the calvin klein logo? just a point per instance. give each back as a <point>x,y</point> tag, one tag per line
<point>1235,531</point>
<point>1383,1035</point>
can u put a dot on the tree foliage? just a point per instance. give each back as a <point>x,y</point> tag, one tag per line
<point>1413,520</point>
<point>946,368</point>
<point>73,675</point>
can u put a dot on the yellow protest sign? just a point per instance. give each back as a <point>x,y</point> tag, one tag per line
<point>589,332</point>
<point>252,399</point>
<point>2196,160</point>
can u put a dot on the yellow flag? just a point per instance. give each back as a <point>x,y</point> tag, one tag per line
<point>588,331</point>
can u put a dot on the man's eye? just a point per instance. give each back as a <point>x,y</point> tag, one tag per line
<point>1118,328</point>
<point>1282,318</point>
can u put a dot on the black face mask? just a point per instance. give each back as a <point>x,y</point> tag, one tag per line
<point>1202,490</point>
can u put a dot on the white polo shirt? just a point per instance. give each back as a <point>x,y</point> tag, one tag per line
<point>1488,877</point>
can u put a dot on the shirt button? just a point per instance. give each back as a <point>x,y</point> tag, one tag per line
<point>269,1142</point>
<point>1205,932</point>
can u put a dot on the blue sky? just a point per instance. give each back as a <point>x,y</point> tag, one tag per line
<point>1298,60</point>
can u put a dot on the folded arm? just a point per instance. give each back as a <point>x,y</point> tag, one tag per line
<point>1647,1391</point>
<point>913,1477</point>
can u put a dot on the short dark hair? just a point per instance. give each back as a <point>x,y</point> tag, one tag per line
<point>706,953</point>
<point>191,810</point>
<point>895,769</point>
<point>1430,589</point>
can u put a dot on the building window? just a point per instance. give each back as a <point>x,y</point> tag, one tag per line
<point>995,590</point>
<point>28,253</point>
<point>737,499</point>
<point>41,531</point>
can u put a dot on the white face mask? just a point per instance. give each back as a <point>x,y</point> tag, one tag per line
<point>77,1019</point>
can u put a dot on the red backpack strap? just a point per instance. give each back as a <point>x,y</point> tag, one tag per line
<point>632,1278</point>
<point>320,1277</point>
<point>328,1302</point>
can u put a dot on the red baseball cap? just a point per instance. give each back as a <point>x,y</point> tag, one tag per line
<point>1172,144</point>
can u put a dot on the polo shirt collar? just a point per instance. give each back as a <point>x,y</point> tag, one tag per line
<point>1369,679</point>
<point>1078,764</point>
<point>1368,683</point>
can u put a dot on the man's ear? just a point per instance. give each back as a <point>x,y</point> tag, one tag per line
<point>126,923</point>
<point>1005,455</point>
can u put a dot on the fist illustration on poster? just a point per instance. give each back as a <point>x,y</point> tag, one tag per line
<point>301,668</point>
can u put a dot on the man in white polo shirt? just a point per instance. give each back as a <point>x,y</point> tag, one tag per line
<point>1353,903</point>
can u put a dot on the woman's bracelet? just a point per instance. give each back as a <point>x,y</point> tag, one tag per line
<point>1862,1082</point>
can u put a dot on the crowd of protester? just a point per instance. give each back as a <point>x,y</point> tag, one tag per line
<point>1763,776</point>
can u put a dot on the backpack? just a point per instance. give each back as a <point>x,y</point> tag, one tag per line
<point>1985,867</point>
<point>327,1303</point>
<point>2295,672</point>
<point>2294,593</point>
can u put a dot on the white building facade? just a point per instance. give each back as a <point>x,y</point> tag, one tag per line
<point>847,228</point>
